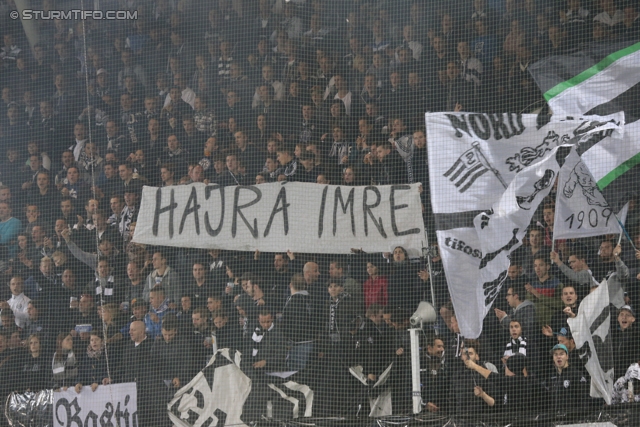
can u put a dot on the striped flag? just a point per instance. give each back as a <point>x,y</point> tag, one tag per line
<point>613,163</point>
<point>470,166</point>
<point>601,79</point>
<point>466,170</point>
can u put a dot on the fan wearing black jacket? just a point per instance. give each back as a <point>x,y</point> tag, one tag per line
<point>136,368</point>
<point>298,324</point>
<point>567,387</point>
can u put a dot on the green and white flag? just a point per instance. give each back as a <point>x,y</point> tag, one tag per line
<point>600,79</point>
<point>613,163</point>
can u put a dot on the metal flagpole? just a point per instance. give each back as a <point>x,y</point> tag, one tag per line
<point>427,255</point>
<point>624,230</point>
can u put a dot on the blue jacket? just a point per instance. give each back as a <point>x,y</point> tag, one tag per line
<point>155,329</point>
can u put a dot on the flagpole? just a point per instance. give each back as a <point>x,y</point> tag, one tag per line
<point>624,230</point>
<point>555,214</point>
<point>430,270</point>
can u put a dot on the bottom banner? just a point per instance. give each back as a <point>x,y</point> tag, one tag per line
<point>109,405</point>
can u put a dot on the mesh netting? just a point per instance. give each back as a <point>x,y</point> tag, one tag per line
<point>245,212</point>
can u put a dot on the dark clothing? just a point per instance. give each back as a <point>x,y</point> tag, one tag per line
<point>297,316</point>
<point>338,318</point>
<point>252,159</point>
<point>199,294</point>
<point>228,179</point>
<point>266,345</point>
<point>567,390</point>
<point>626,348</point>
<point>392,170</point>
<point>462,400</point>
<point>230,336</point>
<point>404,289</point>
<point>171,360</point>
<point>136,367</point>
<point>373,347</point>
<point>435,380</point>
<point>515,393</point>
<point>200,354</point>
<point>35,372</point>
<point>92,369</point>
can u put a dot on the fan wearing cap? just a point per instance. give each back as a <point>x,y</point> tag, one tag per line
<point>626,341</point>
<point>567,387</point>
<point>565,338</point>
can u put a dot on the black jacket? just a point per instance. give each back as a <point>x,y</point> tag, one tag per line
<point>373,347</point>
<point>626,347</point>
<point>172,359</point>
<point>567,390</point>
<point>297,318</point>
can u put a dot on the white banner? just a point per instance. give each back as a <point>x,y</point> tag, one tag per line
<point>591,332</point>
<point>294,216</point>
<point>109,405</point>
<point>581,210</point>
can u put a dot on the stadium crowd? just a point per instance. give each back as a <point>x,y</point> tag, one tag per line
<point>250,92</point>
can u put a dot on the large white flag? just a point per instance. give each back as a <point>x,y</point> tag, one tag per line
<point>591,332</point>
<point>581,210</point>
<point>473,158</point>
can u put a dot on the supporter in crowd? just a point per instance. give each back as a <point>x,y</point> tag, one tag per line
<point>521,310</point>
<point>65,363</point>
<point>93,364</point>
<point>543,290</point>
<point>163,275</point>
<point>159,308</point>
<point>567,386</point>
<point>375,287</point>
<point>34,366</point>
<point>625,339</point>
<point>434,375</point>
<point>297,323</point>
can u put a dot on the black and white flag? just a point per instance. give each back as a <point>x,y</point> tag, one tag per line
<point>502,229</point>
<point>581,210</point>
<point>481,210</point>
<point>215,396</point>
<point>591,330</point>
